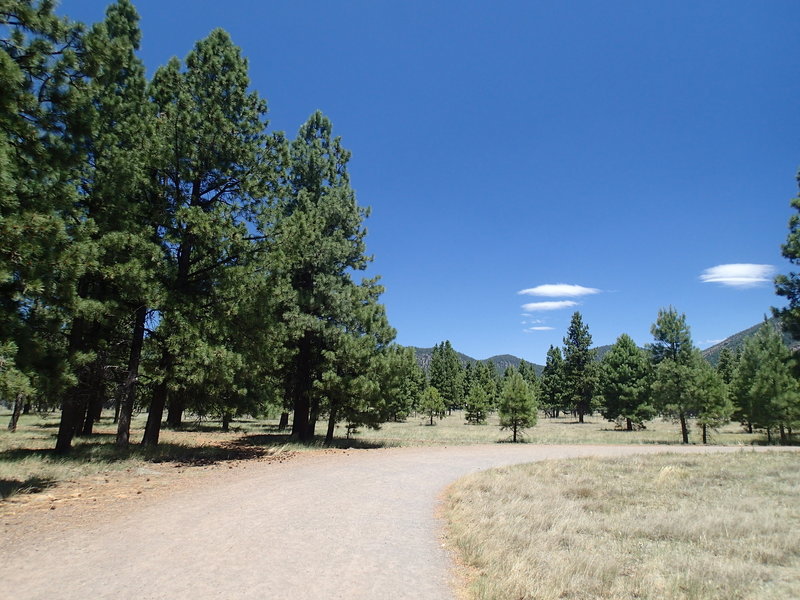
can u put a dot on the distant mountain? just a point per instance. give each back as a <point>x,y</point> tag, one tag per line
<point>736,341</point>
<point>601,351</point>
<point>501,361</point>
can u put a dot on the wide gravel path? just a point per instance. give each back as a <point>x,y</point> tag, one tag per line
<point>357,525</point>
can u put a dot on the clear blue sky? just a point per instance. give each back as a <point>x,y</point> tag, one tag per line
<point>621,146</point>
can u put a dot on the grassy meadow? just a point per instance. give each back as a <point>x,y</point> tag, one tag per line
<point>643,527</point>
<point>27,461</point>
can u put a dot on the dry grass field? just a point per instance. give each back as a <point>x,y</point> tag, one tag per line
<point>27,462</point>
<point>563,430</point>
<point>650,527</point>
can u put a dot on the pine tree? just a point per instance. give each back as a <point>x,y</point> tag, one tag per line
<point>579,367</point>
<point>486,378</point>
<point>432,404</point>
<point>403,382</point>
<point>726,365</point>
<point>714,407</point>
<point>447,375</point>
<point>528,372</point>
<point>212,178</point>
<point>625,383</point>
<point>476,405</point>
<point>41,128</point>
<point>764,389</point>
<point>517,405</point>
<point>788,285</point>
<point>672,337</point>
<point>112,233</point>
<point>672,354</point>
<point>317,242</point>
<point>552,382</point>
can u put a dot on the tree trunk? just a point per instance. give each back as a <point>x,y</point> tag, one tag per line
<point>226,420</point>
<point>26,409</point>
<point>91,413</point>
<point>70,413</point>
<point>284,422</point>
<point>769,436</point>
<point>177,404</point>
<point>83,405</point>
<point>684,428</point>
<point>153,427</point>
<point>313,417</point>
<point>705,433</point>
<point>117,406</point>
<point>749,427</point>
<point>782,429</point>
<point>94,400</point>
<point>580,416</point>
<point>18,407</point>
<point>302,391</point>
<point>629,424</point>
<point>331,426</point>
<point>127,391</point>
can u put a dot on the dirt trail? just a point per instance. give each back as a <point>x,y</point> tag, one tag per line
<point>355,525</point>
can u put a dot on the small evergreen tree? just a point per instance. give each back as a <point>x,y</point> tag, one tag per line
<point>764,389</point>
<point>672,353</point>
<point>625,383</point>
<point>432,404</point>
<point>476,405</point>
<point>714,407</point>
<point>579,367</point>
<point>552,383</point>
<point>447,375</point>
<point>517,405</point>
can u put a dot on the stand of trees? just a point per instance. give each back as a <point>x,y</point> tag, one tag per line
<point>163,250</point>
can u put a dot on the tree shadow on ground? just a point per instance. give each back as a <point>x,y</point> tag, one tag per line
<point>98,451</point>
<point>278,440</point>
<point>32,485</point>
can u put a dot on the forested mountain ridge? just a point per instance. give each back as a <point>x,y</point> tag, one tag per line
<point>500,361</point>
<point>736,341</point>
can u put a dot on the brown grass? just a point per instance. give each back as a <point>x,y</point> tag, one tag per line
<point>660,527</point>
<point>27,461</point>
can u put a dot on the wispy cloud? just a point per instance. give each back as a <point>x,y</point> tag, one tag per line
<point>540,328</point>
<point>738,274</point>
<point>554,305</point>
<point>556,290</point>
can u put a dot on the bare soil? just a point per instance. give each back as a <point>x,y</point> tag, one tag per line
<point>318,525</point>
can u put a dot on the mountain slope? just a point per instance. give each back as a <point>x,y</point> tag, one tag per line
<point>736,341</point>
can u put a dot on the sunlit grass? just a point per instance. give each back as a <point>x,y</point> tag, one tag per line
<point>662,527</point>
<point>28,463</point>
<point>563,430</point>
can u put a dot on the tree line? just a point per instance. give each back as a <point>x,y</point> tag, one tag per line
<point>162,249</point>
<point>757,386</point>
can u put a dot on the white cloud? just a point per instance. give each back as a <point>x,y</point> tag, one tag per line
<point>738,274</point>
<point>555,305</point>
<point>555,290</point>
<point>540,328</point>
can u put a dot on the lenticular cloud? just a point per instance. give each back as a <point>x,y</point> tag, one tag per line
<point>537,306</point>
<point>556,290</point>
<point>738,274</point>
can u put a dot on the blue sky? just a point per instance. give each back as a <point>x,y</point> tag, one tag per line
<point>626,147</point>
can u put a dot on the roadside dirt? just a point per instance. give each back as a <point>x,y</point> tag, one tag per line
<point>88,498</point>
<point>321,525</point>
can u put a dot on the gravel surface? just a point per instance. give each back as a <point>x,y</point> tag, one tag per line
<point>357,524</point>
